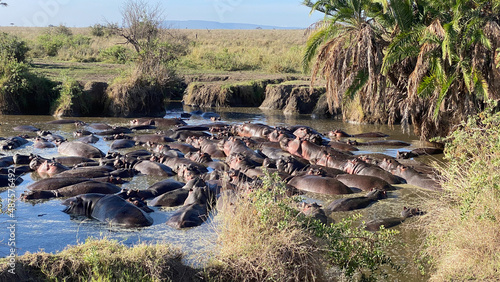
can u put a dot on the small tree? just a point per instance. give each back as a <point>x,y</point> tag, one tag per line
<point>141,23</point>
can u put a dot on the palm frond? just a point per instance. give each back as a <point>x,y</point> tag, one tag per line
<point>359,81</point>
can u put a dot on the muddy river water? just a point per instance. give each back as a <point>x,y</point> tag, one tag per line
<point>41,225</point>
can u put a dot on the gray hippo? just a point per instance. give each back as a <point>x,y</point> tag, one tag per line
<point>364,182</point>
<point>196,207</point>
<point>108,208</point>
<point>77,148</point>
<point>313,211</point>
<point>355,203</point>
<point>73,190</point>
<point>156,189</point>
<point>374,225</point>
<point>319,184</point>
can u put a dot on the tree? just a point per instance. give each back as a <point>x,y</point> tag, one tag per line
<point>3,4</point>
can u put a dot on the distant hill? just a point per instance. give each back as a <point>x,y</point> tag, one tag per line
<point>194,24</point>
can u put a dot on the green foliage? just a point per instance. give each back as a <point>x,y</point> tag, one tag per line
<point>471,202</point>
<point>22,91</point>
<point>116,54</point>
<point>12,47</point>
<point>97,30</point>
<point>52,42</point>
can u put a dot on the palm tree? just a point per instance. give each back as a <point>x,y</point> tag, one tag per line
<point>347,45</point>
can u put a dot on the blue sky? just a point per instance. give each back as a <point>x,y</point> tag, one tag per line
<point>82,13</point>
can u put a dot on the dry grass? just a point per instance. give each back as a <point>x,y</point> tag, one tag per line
<point>463,226</point>
<point>103,260</point>
<point>253,251</point>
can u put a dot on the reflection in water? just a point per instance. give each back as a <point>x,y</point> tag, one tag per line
<point>43,225</point>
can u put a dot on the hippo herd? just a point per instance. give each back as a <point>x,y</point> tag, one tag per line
<point>196,162</point>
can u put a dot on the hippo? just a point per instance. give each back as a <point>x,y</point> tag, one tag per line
<point>313,211</point>
<point>50,168</point>
<point>109,209</point>
<point>153,168</point>
<point>184,148</point>
<point>12,143</point>
<point>342,146</point>
<point>142,127</point>
<point>7,161</point>
<point>364,182</point>
<point>173,198</point>
<point>116,137</point>
<point>76,148</point>
<point>73,160</point>
<point>6,181</point>
<point>100,126</point>
<point>115,130</point>
<point>356,166</point>
<point>89,139</point>
<point>29,128</point>
<point>394,143</point>
<point>168,122</point>
<point>319,184</point>
<point>418,152</point>
<point>339,133</point>
<point>65,121</point>
<point>195,209</point>
<point>349,204</point>
<point>73,190</point>
<point>56,183</point>
<point>183,135</point>
<point>157,189</point>
<point>253,130</point>
<point>122,143</point>
<point>89,172</point>
<point>374,225</point>
<point>233,145</point>
<point>142,121</point>
<point>415,178</point>
<point>208,146</point>
<point>42,143</point>
<point>153,138</point>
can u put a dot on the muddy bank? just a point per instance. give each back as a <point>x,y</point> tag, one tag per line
<point>293,97</point>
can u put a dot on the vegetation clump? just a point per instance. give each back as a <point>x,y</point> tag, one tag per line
<point>263,237</point>
<point>427,63</point>
<point>463,235</point>
<point>103,260</point>
<point>21,90</point>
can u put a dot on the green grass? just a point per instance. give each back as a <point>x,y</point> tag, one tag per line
<point>463,231</point>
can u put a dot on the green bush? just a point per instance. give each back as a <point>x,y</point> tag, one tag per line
<point>116,54</point>
<point>12,47</point>
<point>97,30</point>
<point>464,231</point>
<point>22,91</point>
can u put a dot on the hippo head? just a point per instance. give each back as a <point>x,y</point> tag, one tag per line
<point>36,162</point>
<point>409,212</point>
<point>377,194</point>
<point>40,194</point>
<point>198,195</point>
<point>138,202</point>
<point>82,204</point>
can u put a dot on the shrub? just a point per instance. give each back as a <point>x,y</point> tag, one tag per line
<point>263,237</point>
<point>12,47</point>
<point>463,235</point>
<point>22,91</point>
<point>116,54</point>
<point>97,30</point>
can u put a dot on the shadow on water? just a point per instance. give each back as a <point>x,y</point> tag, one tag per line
<point>43,225</point>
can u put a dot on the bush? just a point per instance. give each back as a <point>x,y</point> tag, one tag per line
<point>464,231</point>
<point>97,30</point>
<point>116,54</point>
<point>22,91</point>
<point>262,237</point>
<point>12,47</point>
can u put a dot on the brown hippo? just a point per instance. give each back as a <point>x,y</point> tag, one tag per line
<point>337,133</point>
<point>42,143</point>
<point>173,198</point>
<point>415,178</point>
<point>12,143</point>
<point>153,138</point>
<point>25,128</point>
<point>76,148</point>
<point>349,204</point>
<point>374,225</point>
<point>364,182</point>
<point>356,166</point>
<point>418,152</point>
<point>89,172</point>
<point>195,209</point>
<point>89,139</point>
<point>73,190</point>
<point>319,184</point>
<point>153,168</point>
<point>122,143</point>
<point>313,211</point>
<point>50,168</point>
<point>156,189</point>
<point>109,209</point>
<point>253,130</point>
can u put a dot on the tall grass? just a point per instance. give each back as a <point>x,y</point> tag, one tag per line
<point>262,237</point>
<point>463,231</point>
<point>103,260</point>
